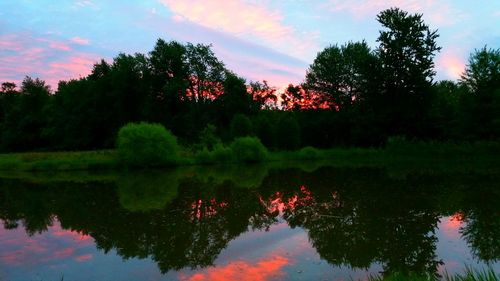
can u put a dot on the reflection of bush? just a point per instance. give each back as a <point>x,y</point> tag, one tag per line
<point>145,191</point>
<point>245,176</point>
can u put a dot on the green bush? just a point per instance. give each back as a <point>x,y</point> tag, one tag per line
<point>146,145</point>
<point>208,137</point>
<point>222,154</point>
<point>248,149</point>
<point>204,156</point>
<point>309,153</point>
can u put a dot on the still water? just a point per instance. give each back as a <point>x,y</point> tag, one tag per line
<point>247,223</point>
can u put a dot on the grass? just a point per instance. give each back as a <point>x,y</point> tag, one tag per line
<point>469,275</point>
<point>60,161</point>
<point>398,156</point>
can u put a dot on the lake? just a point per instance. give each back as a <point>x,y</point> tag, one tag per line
<point>302,222</point>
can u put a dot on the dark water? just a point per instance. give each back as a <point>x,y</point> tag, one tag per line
<point>247,223</point>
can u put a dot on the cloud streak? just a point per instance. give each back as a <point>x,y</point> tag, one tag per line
<point>252,21</point>
<point>48,59</point>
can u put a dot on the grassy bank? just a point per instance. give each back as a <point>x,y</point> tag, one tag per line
<point>400,155</point>
<point>59,161</point>
<point>468,275</point>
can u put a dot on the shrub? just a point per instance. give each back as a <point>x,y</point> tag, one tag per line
<point>146,145</point>
<point>222,154</point>
<point>208,137</point>
<point>248,149</point>
<point>309,153</point>
<point>204,156</point>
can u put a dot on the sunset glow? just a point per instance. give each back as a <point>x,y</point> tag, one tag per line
<point>262,270</point>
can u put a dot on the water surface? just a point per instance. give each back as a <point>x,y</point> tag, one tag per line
<point>247,223</point>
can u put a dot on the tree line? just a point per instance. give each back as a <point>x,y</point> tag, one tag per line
<point>351,95</point>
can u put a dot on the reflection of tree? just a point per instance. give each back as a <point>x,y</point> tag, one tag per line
<point>482,223</point>
<point>189,231</point>
<point>184,218</point>
<point>360,220</point>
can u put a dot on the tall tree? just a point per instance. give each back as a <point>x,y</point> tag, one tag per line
<point>406,52</point>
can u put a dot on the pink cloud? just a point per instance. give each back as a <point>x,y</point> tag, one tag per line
<point>243,19</point>
<point>60,46</point>
<point>80,41</point>
<point>265,269</point>
<point>76,66</point>
<point>451,64</point>
<point>439,12</point>
<point>43,60</point>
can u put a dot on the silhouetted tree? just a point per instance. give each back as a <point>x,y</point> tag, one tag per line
<point>406,51</point>
<point>340,75</point>
<point>482,106</point>
<point>23,114</point>
<point>264,95</point>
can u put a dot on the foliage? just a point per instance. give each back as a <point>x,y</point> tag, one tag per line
<point>406,52</point>
<point>309,153</point>
<point>146,145</point>
<point>208,137</point>
<point>248,149</point>
<point>241,126</point>
<point>24,116</point>
<point>481,107</point>
<point>264,95</point>
<point>340,74</point>
<point>222,154</point>
<point>287,132</point>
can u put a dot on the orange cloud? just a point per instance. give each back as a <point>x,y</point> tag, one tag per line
<point>266,269</point>
<point>243,19</point>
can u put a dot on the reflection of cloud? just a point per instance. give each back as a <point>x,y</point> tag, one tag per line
<point>439,12</point>
<point>242,19</point>
<point>265,269</point>
<point>451,226</point>
<point>83,258</point>
<point>19,249</point>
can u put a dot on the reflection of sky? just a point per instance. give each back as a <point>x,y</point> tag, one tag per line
<point>281,253</point>
<point>453,250</point>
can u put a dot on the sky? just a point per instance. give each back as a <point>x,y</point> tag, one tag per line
<point>273,40</point>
